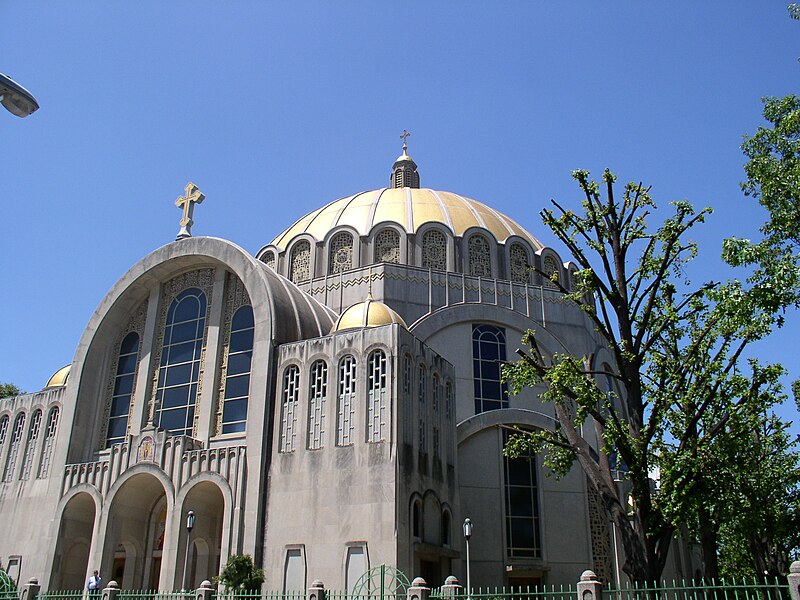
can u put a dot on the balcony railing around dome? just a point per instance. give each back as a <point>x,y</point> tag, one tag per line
<point>424,291</point>
<point>180,458</point>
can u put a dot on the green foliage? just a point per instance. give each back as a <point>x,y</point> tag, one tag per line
<point>7,390</point>
<point>240,574</point>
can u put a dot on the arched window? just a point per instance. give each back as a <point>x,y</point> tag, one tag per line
<point>268,258</point>
<point>416,518</point>
<point>550,268</point>
<point>376,396</point>
<point>291,394</point>
<point>387,246</point>
<point>488,354</point>
<point>480,257</point>
<point>423,409</point>
<point>13,448</point>
<point>124,381</point>
<point>3,432</point>
<point>518,261</point>
<point>346,401</point>
<point>408,411</point>
<point>30,444</point>
<point>435,407</point>
<point>49,441</point>
<point>317,397</point>
<point>522,506</point>
<point>434,250</point>
<point>300,262</point>
<point>340,253</point>
<point>179,372</point>
<point>237,373</point>
<point>446,519</point>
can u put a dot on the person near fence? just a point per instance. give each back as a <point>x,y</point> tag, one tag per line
<point>95,584</point>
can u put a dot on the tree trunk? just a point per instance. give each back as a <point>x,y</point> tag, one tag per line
<point>708,543</point>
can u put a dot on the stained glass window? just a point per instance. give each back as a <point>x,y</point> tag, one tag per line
<point>480,257</point>
<point>300,262</point>
<point>237,374</point>
<point>124,382</point>
<point>518,260</point>
<point>387,246</point>
<point>434,250</point>
<point>341,253</point>
<point>550,268</point>
<point>268,258</point>
<point>488,354</point>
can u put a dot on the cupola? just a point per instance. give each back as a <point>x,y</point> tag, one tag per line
<point>404,170</point>
<point>369,313</point>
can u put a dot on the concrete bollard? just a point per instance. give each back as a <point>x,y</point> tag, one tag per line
<point>317,590</point>
<point>794,580</point>
<point>419,590</point>
<point>589,588</point>
<point>205,591</point>
<point>451,587</point>
<point>30,591</point>
<point>111,590</point>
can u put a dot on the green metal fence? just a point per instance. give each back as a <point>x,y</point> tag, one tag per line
<point>63,595</point>
<point>733,589</point>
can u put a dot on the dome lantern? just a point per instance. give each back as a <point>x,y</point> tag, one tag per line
<point>404,170</point>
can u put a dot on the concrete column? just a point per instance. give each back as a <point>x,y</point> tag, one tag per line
<point>143,393</point>
<point>316,591</point>
<point>589,587</point>
<point>419,590</point>
<point>794,580</point>
<point>451,587</point>
<point>205,591</point>
<point>205,396</point>
<point>30,591</point>
<point>111,590</point>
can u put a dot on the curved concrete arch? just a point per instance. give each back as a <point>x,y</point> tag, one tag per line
<point>140,469</point>
<point>506,416</point>
<point>211,477</point>
<point>81,488</point>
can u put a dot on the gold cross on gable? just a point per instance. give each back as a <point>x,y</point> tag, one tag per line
<point>193,196</point>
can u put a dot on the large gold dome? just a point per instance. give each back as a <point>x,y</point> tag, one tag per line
<point>408,207</point>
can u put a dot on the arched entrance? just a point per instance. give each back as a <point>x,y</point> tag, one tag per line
<point>206,500</point>
<point>135,532</point>
<point>74,541</point>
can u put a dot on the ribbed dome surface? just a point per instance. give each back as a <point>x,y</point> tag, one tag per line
<point>59,377</point>
<point>369,313</point>
<point>409,208</point>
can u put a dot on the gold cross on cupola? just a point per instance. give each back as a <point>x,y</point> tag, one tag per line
<point>193,196</point>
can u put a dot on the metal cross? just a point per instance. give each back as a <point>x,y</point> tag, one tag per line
<point>193,196</point>
<point>404,136</point>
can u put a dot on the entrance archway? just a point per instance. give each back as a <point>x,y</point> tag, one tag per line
<point>74,541</point>
<point>206,500</point>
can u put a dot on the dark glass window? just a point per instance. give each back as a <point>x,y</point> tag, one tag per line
<point>488,354</point>
<point>179,371</point>
<point>128,358</point>
<point>237,377</point>
<point>522,506</point>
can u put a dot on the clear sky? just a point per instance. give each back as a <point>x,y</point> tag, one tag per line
<point>276,108</point>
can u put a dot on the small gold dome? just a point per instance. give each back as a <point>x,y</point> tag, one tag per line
<point>369,313</point>
<point>59,377</point>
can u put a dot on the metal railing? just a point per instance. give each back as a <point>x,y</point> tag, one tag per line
<point>733,589</point>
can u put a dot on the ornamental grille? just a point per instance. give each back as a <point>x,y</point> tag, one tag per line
<point>423,409</point>
<point>434,250</point>
<point>387,246</point>
<point>49,441</point>
<point>268,258</point>
<point>13,449</point>
<point>30,444</point>
<point>435,407</point>
<point>480,259</point>
<point>408,412</point>
<point>291,385</point>
<point>318,394</point>
<point>340,253</point>
<point>598,526</point>
<point>518,259</point>
<point>376,397</point>
<point>3,431</point>
<point>346,408</point>
<point>550,268</point>
<point>300,262</point>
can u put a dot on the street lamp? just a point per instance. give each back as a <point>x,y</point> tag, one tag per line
<point>15,98</point>
<point>467,535</point>
<point>189,527</point>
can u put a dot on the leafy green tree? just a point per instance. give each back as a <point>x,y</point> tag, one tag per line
<point>240,574</point>
<point>7,390</point>
<point>675,350</point>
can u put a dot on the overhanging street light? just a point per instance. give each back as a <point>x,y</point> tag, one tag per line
<point>189,527</point>
<point>467,535</point>
<point>15,98</point>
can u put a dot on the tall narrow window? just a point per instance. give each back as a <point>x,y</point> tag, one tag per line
<point>30,444</point>
<point>436,412</point>
<point>518,261</point>
<point>13,448</point>
<point>488,354</point>
<point>123,389</point>
<point>300,262</point>
<point>291,391</point>
<point>179,372</point>
<point>376,396</point>
<point>423,409</point>
<point>449,416</point>
<point>387,246</point>
<point>408,412</point>
<point>340,253</point>
<point>317,396</point>
<point>346,401</point>
<point>522,506</point>
<point>237,374</point>
<point>480,257</point>
<point>434,250</point>
<point>49,441</point>
<point>3,432</point>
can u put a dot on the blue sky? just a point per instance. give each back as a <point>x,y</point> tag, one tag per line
<point>276,108</point>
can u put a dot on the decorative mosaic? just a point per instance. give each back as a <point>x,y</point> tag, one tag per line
<point>387,246</point>
<point>598,525</point>
<point>434,250</point>
<point>341,253</point>
<point>518,259</point>
<point>300,262</point>
<point>480,257</point>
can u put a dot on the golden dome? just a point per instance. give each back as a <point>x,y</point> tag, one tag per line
<point>369,313</point>
<point>59,377</point>
<point>409,208</point>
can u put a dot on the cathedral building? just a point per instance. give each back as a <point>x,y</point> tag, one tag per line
<point>328,404</point>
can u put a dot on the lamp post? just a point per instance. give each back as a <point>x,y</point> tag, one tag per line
<point>15,98</point>
<point>467,535</point>
<point>189,527</point>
